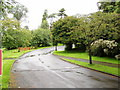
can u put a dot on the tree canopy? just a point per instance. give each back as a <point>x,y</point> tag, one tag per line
<point>109,6</point>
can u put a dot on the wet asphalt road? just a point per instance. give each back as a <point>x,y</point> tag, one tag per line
<point>41,69</point>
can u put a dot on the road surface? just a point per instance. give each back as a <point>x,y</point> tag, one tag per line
<point>41,69</point>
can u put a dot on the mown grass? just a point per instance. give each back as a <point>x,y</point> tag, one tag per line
<point>7,64</point>
<point>107,69</point>
<point>84,55</point>
<point>0,82</point>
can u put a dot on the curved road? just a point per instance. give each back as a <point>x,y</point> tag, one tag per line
<point>41,69</point>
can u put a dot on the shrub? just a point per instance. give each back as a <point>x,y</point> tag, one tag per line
<point>117,57</point>
<point>104,48</point>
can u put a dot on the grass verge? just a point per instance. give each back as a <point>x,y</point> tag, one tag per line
<point>7,64</point>
<point>107,69</point>
<point>0,82</point>
<point>84,55</point>
<point>15,54</point>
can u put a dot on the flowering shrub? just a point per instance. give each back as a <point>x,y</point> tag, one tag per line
<point>117,57</point>
<point>104,48</point>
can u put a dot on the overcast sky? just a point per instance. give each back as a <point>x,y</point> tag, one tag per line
<point>36,8</point>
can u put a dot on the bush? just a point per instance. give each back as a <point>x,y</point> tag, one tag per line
<point>104,48</point>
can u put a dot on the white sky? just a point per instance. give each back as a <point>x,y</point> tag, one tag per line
<point>36,8</point>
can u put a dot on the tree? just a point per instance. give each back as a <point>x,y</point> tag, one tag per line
<point>19,11</point>
<point>105,26</point>
<point>5,7</point>
<point>13,36</point>
<point>101,26</point>
<point>62,31</point>
<point>111,6</point>
<point>78,33</point>
<point>41,37</point>
<point>45,15</point>
<point>62,13</point>
<point>44,23</point>
<point>51,16</point>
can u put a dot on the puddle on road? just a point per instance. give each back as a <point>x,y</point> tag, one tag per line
<point>96,78</point>
<point>27,56</point>
<point>46,52</point>
<point>90,76</point>
<point>79,72</point>
<point>31,55</point>
<point>67,71</point>
<point>27,70</point>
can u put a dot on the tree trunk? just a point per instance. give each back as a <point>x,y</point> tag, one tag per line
<point>56,48</point>
<point>68,47</point>
<point>90,55</point>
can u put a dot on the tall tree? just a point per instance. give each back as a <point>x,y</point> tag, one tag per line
<point>62,13</point>
<point>41,37</point>
<point>44,23</point>
<point>19,11</point>
<point>45,15</point>
<point>5,7</point>
<point>51,16</point>
<point>62,31</point>
<point>13,36</point>
<point>99,26</point>
<point>109,6</point>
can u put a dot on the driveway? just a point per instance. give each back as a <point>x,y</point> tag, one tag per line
<point>41,69</point>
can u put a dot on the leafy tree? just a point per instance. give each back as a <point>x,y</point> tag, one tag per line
<point>45,15</point>
<point>44,23</point>
<point>109,6</point>
<point>62,13</point>
<point>62,31</point>
<point>105,26</point>
<point>12,7</point>
<point>19,11</point>
<point>102,26</point>
<point>13,36</point>
<point>5,7</point>
<point>41,37</point>
<point>79,35</point>
<point>51,16</point>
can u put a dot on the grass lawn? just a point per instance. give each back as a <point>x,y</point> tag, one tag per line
<point>7,64</point>
<point>0,82</point>
<point>98,67</point>
<point>84,55</point>
<point>15,54</point>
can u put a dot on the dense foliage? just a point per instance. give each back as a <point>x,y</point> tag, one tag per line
<point>41,37</point>
<point>82,31</point>
<point>44,23</point>
<point>13,36</point>
<point>105,48</point>
<point>62,31</point>
<point>109,6</point>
